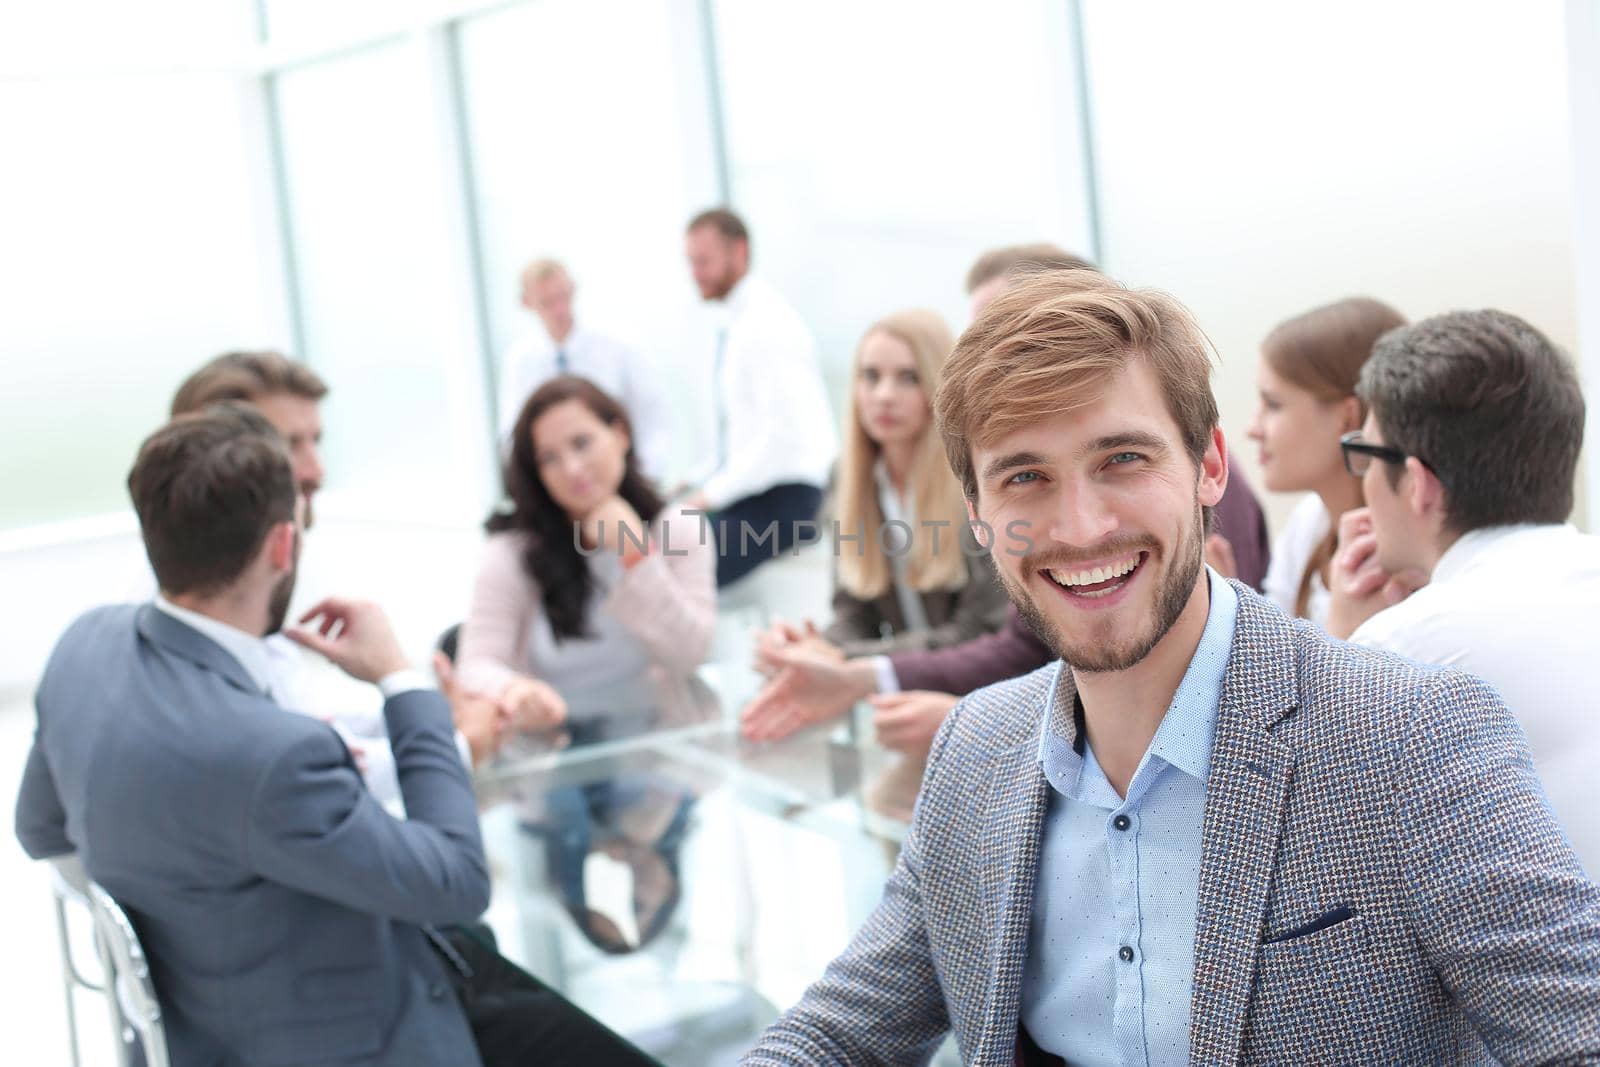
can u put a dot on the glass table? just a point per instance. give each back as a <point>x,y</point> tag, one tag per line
<point>685,886</point>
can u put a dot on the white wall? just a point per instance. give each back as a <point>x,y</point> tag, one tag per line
<point>1583,50</point>
<point>1257,159</point>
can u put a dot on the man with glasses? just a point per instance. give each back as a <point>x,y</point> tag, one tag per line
<point>1463,555</point>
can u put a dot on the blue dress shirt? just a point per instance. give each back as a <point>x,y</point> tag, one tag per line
<point>1111,937</point>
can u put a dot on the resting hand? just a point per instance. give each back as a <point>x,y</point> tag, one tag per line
<point>1219,554</point>
<point>354,635</point>
<point>907,721</point>
<point>808,687</point>
<point>532,705</point>
<point>782,636</point>
<point>481,719</point>
<point>1359,585</point>
<point>603,528</point>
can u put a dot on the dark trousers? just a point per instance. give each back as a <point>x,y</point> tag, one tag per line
<point>741,528</point>
<point>517,1020</point>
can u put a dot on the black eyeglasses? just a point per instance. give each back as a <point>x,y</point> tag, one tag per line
<point>1359,454</point>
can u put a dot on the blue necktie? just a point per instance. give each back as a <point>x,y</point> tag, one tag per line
<point>561,362</point>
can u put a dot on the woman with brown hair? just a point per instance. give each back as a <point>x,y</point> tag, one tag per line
<point>593,606</point>
<point>1307,379</point>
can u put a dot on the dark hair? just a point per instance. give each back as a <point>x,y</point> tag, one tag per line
<point>207,488</point>
<point>724,221</point>
<point>552,560</point>
<point>246,377</point>
<point>1019,259</point>
<point>1322,351</point>
<point>1490,405</point>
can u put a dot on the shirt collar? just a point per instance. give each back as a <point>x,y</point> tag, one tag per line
<point>1474,544</point>
<point>1186,732</point>
<point>1184,738</point>
<point>574,339</point>
<point>891,500</point>
<point>739,295</point>
<point>249,650</point>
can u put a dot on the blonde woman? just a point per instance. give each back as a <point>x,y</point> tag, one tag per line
<point>911,576</point>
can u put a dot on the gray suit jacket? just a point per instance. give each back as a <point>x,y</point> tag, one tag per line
<point>1381,880</point>
<point>277,901</point>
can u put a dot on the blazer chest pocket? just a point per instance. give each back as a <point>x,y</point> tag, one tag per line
<point>1313,978</point>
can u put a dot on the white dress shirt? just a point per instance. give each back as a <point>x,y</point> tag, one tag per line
<point>774,422</point>
<point>606,362</point>
<point>1519,606</point>
<point>275,665</point>
<point>1305,530</point>
<point>896,508</point>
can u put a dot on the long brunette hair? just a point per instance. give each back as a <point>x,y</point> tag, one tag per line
<point>552,558</point>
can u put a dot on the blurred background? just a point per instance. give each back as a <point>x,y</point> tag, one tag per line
<point>358,183</point>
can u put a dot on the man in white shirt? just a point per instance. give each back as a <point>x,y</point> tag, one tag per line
<point>774,433</point>
<point>289,394</point>
<point>562,347</point>
<point>1468,459</point>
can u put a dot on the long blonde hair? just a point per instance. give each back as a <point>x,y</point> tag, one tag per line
<point>865,569</point>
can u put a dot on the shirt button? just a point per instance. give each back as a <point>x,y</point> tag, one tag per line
<point>437,990</point>
<point>1125,953</point>
<point>1122,822</point>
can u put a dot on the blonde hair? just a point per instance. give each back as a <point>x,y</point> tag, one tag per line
<point>1022,259</point>
<point>541,270</point>
<point>1049,343</point>
<point>934,493</point>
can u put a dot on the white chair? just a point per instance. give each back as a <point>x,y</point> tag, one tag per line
<point>135,1011</point>
<point>70,888</point>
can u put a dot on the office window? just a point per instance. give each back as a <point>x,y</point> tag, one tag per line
<point>301,21</point>
<point>129,257</point>
<point>103,36</point>
<point>588,128</point>
<point>368,212</point>
<point>877,148</point>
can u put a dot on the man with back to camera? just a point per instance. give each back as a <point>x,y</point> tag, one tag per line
<point>912,691</point>
<point>562,346</point>
<point>774,429</point>
<point>285,915</point>
<point>1207,834</point>
<point>290,394</point>
<point>1468,461</point>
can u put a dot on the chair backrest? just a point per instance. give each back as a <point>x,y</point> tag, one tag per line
<point>134,1002</point>
<point>69,885</point>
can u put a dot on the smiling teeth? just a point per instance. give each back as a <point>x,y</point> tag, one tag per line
<point>1094,575</point>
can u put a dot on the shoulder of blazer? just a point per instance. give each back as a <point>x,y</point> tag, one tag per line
<point>1350,696</point>
<point>1000,717</point>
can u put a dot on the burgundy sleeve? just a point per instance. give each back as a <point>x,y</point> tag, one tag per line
<point>959,669</point>
<point>1239,519</point>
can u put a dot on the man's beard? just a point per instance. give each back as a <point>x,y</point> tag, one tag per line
<point>282,593</point>
<point>1171,598</point>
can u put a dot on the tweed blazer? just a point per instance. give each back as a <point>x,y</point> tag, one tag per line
<point>1381,879</point>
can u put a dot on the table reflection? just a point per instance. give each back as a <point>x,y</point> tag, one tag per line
<point>679,883</point>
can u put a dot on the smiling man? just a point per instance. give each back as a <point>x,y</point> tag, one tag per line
<point>1206,833</point>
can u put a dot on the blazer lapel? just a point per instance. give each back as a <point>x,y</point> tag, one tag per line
<point>1018,792</point>
<point>1251,769</point>
<point>162,629</point>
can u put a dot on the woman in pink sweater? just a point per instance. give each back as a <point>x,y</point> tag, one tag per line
<point>593,599</point>
<point>593,606</point>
